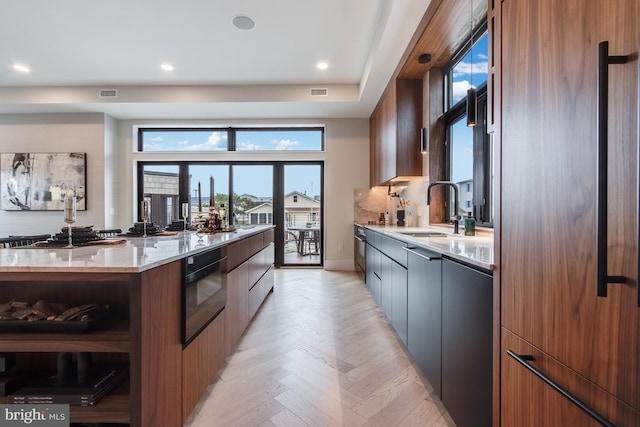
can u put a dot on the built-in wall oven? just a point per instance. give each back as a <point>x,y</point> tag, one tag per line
<point>359,250</point>
<point>204,290</point>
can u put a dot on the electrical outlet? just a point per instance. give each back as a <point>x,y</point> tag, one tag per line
<point>340,247</point>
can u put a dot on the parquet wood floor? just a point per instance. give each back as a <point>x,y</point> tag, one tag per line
<point>319,353</point>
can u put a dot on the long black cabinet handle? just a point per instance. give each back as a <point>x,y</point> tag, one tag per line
<point>638,192</point>
<point>602,157</point>
<point>523,360</point>
<point>428,258</point>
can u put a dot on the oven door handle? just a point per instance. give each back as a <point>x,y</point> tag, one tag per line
<point>204,271</point>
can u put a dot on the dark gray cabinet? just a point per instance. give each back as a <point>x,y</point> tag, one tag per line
<point>374,272</point>
<point>399,300</point>
<point>394,283</point>
<point>443,312</point>
<point>387,279</point>
<point>467,307</point>
<point>424,313</point>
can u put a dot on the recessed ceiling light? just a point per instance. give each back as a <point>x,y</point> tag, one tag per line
<point>322,65</point>
<point>167,67</point>
<point>243,22</point>
<point>21,68</point>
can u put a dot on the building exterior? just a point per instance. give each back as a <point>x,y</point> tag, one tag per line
<point>299,210</point>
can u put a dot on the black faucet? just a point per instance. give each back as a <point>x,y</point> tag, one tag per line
<point>455,200</point>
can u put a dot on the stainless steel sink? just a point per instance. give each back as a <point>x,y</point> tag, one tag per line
<point>423,233</point>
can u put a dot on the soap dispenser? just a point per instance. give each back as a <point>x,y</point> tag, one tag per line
<point>469,225</point>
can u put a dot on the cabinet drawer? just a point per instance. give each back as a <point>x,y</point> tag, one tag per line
<point>373,238</point>
<point>259,292</point>
<point>394,249</point>
<point>527,401</point>
<point>260,263</point>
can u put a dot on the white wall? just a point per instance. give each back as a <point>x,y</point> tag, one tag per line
<point>47,133</point>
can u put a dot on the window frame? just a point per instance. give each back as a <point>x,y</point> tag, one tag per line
<point>231,137</point>
<point>481,174</point>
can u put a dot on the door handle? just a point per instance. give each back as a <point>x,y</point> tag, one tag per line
<point>422,255</point>
<point>604,60</point>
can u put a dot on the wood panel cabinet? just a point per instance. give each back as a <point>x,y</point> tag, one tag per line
<point>146,334</point>
<point>533,403</point>
<point>248,283</point>
<point>548,219</point>
<point>395,133</point>
<point>201,361</point>
<point>237,305</point>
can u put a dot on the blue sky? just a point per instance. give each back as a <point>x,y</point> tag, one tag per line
<point>471,71</point>
<point>207,140</point>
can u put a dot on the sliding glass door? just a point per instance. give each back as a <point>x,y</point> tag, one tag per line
<point>302,214</point>
<point>252,194</point>
<point>285,194</point>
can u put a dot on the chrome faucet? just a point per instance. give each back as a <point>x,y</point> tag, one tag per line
<point>455,217</point>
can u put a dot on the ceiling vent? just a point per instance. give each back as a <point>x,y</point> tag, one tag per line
<point>108,93</point>
<point>319,92</point>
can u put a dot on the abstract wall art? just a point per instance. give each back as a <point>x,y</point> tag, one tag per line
<point>40,181</point>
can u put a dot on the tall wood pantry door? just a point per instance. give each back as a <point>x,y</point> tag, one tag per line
<point>548,209</point>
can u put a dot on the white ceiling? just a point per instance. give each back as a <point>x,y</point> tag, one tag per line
<point>76,47</point>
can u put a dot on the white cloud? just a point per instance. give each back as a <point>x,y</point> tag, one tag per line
<point>214,141</point>
<point>283,144</point>
<point>157,139</point>
<point>483,56</point>
<point>459,90</point>
<point>183,142</point>
<point>250,146</point>
<point>465,68</point>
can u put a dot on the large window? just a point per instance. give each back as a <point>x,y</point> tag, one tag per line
<point>254,190</point>
<point>231,139</point>
<point>279,139</point>
<point>169,140</point>
<point>468,149</point>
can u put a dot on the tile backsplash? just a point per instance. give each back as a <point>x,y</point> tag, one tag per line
<point>368,203</point>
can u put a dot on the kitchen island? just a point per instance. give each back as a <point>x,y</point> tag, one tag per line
<point>140,281</point>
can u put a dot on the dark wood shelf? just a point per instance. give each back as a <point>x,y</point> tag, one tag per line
<point>114,339</point>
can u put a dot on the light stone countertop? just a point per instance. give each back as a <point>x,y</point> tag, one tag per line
<point>476,250</point>
<point>136,255</point>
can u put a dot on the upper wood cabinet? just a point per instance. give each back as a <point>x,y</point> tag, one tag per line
<point>395,133</point>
